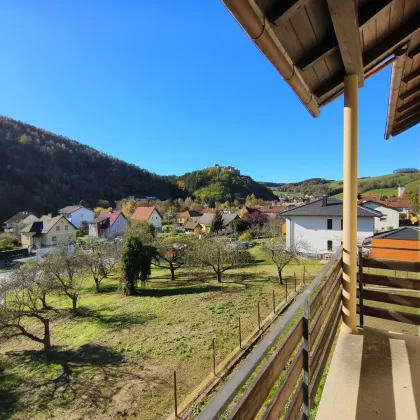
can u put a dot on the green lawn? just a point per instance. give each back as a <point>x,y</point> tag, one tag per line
<point>116,360</point>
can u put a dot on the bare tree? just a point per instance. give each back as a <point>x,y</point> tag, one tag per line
<point>64,267</point>
<point>22,301</point>
<point>219,255</point>
<point>94,261</point>
<point>281,255</point>
<point>172,253</point>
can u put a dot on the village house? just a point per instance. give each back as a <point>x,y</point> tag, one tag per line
<point>193,228</point>
<point>18,221</point>
<point>188,216</point>
<point>108,225</point>
<point>48,231</point>
<point>77,214</point>
<point>148,214</point>
<point>318,226</point>
<point>272,211</point>
<point>206,219</point>
<point>396,245</point>
<point>390,218</point>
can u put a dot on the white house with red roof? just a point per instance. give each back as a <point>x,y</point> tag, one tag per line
<point>108,225</point>
<point>148,214</point>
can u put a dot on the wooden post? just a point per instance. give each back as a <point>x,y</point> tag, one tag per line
<point>286,289</point>
<point>259,317</point>
<point>240,332</point>
<point>350,203</point>
<point>175,396</point>
<point>304,269</point>
<point>274,303</point>
<point>306,361</point>
<point>214,358</point>
<point>361,288</point>
<point>294,274</point>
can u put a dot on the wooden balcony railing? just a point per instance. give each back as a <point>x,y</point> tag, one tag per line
<point>402,288</point>
<point>282,375</point>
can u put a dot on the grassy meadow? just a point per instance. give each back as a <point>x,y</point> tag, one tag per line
<point>116,359</point>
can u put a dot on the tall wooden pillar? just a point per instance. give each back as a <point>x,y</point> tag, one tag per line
<point>350,203</point>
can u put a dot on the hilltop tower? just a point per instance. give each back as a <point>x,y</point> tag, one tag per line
<point>401,191</point>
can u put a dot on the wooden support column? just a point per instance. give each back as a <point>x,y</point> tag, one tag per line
<point>350,202</point>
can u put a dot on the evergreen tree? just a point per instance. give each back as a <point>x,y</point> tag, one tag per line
<point>217,223</point>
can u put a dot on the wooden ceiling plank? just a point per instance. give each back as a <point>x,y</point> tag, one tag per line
<point>414,110</point>
<point>412,76</point>
<point>346,28</point>
<point>376,54</point>
<point>408,106</point>
<point>410,92</point>
<point>283,10</point>
<point>399,130</point>
<point>414,52</point>
<point>406,117</point>
<point>329,46</point>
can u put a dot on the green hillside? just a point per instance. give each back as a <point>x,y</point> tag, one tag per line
<point>219,185</point>
<point>386,185</point>
<point>43,172</point>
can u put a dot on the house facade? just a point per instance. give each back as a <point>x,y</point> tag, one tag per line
<point>48,231</point>
<point>206,219</point>
<point>77,214</point>
<point>19,220</point>
<point>108,225</point>
<point>390,218</point>
<point>148,214</point>
<point>317,227</point>
<point>188,216</point>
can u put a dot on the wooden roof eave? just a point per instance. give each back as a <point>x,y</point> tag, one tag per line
<point>394,89</point>
<point>253,22</point>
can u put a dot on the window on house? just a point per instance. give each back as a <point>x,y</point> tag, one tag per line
<point>329,223</point>
<point>341,224</point>
<point>57,228</point>
<point>66,227</point>
<point>54,238</point>
<point>329,245</point>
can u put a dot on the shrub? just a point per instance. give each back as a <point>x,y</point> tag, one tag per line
<point>246,237</point>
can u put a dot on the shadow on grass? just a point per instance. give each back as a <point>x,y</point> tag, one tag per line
<point>189,290</point>
<point>9,396</point>
<point>113,320</point>
<point>72,374</point>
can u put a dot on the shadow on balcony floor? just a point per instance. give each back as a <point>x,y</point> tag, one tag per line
<point>374,375</point>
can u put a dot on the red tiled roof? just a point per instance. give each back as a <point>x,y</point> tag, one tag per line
<point>397,202</point>
<point>111,215</point>
<point>143,213</point>
<point>190,213</point>
<point>208,211</point>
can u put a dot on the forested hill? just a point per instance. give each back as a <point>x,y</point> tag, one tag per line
<point>42,172</point>
<point>219,185</point>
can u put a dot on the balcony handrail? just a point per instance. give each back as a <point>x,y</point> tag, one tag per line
<point>231,388</point>
<point>389,247</point>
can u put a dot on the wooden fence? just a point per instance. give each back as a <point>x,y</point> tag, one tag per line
<point>299,358</point>
<point>389,293</point>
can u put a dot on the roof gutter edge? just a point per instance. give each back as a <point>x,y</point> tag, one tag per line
<point>249,16</point>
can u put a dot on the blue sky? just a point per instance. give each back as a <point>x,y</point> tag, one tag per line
<point>175,86</point>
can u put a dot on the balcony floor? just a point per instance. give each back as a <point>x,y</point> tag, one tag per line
<point>374,375</point>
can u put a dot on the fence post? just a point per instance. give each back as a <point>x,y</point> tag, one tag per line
<point>175,396</point>
<point>294,274</point>
<point>361,287</point>
<point>214,358</point>
<point>240,332</point>
<point>286,288</point>
<point>259,317</point>
<point>274,303</point>
<point>304,269</point>
<point>306,361</point>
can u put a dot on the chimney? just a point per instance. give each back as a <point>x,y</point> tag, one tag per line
<point>324,200</point>
<point>50,215</point>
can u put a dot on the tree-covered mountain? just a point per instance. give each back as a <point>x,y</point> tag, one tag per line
<point>42,172</point>
<point>218,184</point>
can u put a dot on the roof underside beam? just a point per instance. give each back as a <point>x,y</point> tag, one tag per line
<point>404,115</point>
<point>346,28</point>
<point>406,125</point>
<point>408,106</point>
<point>409,78</point>
<point>414,52</point>
<point>394,89</point>
<point>329,46</point>
<point>282,10</point>
<point>376,54</point>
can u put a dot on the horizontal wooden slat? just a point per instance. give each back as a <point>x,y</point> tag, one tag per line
<point>295,405</point>
<point>319,297</point>
<point>390,315</point>
<point>275,409</point>
<point>258,391</point>
<point>411,301</point>
<point>317,376</point>
<point>392,265</point>
<point>398,282</point>
<point>320,347</point>
<point>319,321</point>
